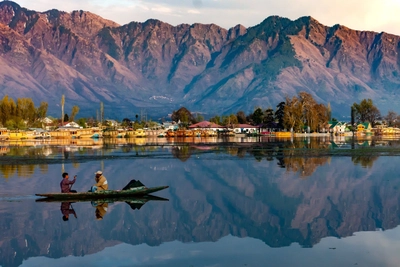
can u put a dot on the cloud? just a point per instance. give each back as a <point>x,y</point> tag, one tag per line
<point>375,15</point>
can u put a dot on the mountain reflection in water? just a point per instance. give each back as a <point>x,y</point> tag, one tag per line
<point>232,191</point>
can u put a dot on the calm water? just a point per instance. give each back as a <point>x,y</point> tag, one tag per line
<point>305,202</point>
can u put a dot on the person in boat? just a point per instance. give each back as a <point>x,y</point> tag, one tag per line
<point>66,184</point>
<point>101,182</point>
<point>66,210</point>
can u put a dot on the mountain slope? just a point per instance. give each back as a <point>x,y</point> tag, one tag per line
<point>206,68</point>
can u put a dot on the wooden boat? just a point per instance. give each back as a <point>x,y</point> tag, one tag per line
<point>137,199</point>
<point>127,191</point>
<point>170,133</point>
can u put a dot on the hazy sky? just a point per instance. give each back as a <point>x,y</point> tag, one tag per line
<point>375,15</point>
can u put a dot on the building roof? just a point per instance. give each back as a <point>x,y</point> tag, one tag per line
<point>206,124</point>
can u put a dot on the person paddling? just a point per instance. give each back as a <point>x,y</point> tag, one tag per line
<point>67,184</point>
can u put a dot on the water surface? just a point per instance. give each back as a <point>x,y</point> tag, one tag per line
<point>303,202</point>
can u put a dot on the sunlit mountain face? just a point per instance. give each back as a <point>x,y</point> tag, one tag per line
<point>158,67</point>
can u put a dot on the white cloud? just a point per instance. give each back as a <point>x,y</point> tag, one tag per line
<point>376,15</point>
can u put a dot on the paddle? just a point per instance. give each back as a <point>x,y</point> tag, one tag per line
<point>73,210</point>
<point>70,187</point>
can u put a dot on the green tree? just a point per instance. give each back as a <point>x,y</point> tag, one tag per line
<point>279,114</point>
<point>216,119</point>
<point>258,116</point>
<point>199,117</point>
<point>366,111</point>
<point>229,120</point>
<point>269,115</point>
<point>183,115</point>
<point>66,117</point>
<point>82,122</point>
<point>241,117</point>
<point>126,122</point>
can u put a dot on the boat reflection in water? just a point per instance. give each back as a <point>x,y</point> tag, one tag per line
<point>101,206</point>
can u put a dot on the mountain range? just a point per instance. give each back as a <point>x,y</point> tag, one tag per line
<point>156,67</point>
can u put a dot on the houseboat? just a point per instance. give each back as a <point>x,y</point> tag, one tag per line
<point>4,134</point>
<point>117,133</point>
<point>18,135</point>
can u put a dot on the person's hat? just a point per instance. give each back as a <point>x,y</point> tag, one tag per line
<point>99,172</point>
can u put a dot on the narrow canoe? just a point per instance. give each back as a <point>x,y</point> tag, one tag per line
<point>135,199</point>
<point>137,191</point>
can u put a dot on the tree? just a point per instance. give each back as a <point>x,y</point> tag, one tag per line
<point>229,120</point>
<point>74,112</point>
<point>269,115</point>
<point>280,113</point>
<point>309,116</point>
<point>241,117</point>
<point>101,112</point>
<point>26,109</point>
<point>7,109</point>
<point>66,118</point>
<point>62,109</point>
<point>391,118</point>
<point>126,122</point>
<point>329,110</point>
<point>199,117</point>
<point>366,111</point>
<point>82,122</point>
<point>258,116</point>
<point>216,119</point>
<point>183,115</point>
<point>41,111</point>
<point>322,114</point>
<point>292,114</point>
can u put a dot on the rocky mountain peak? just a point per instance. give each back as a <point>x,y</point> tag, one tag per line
<point>202,66</point>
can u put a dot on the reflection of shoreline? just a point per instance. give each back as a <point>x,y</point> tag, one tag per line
<point>301,155</point>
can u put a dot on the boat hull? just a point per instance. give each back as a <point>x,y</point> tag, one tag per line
<point>134,199</point>
<point>140,191</point>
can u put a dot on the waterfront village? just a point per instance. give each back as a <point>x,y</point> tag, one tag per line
<point>172,129</point>
<point>300,114</point>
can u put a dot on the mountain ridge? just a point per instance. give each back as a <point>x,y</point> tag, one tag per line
<point>206,68</point>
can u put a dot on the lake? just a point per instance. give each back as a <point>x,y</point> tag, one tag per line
<point>230,202</point>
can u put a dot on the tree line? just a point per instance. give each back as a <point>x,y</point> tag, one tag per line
<point>298,113</point>
<point>21,113</point>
